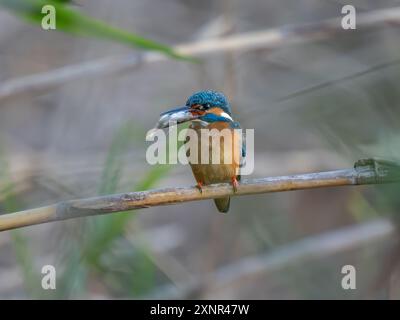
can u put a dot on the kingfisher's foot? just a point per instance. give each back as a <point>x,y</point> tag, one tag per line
<point>200,187</point>
<point>235,184</point>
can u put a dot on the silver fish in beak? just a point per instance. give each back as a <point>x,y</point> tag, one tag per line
<point>173,117</point>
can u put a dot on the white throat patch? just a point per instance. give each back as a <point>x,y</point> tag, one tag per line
<point>226,116</point>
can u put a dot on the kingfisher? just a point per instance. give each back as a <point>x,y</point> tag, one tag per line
<point>211,110</point>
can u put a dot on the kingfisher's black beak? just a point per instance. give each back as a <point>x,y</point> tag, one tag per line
<point>176,116</point>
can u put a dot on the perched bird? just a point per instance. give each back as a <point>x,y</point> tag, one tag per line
<point>211,110</point>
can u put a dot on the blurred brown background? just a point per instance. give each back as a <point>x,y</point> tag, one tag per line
<point>87,137</point>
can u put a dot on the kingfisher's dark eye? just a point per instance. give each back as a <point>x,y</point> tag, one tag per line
<point>205,106</point>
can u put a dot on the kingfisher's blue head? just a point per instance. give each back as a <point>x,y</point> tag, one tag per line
<point>208,99</point>
<point>208,106</point>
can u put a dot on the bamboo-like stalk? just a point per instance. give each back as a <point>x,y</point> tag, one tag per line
<point>366,171</point>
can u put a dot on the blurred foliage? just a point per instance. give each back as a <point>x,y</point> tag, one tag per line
<point>104,248</point>
<point>22,252</point>
<point>105,253</point>
<point>74,22</point>
<point>100,250</point>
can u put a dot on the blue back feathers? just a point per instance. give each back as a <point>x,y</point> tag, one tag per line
<point>210,97</point>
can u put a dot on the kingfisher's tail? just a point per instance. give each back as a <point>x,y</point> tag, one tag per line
<point>223,204</point>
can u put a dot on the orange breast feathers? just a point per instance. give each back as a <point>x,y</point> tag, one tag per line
<point>228,141</point>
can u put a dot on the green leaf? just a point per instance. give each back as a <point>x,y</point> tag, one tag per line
<point>20,243</point>
<point>74,22</point>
